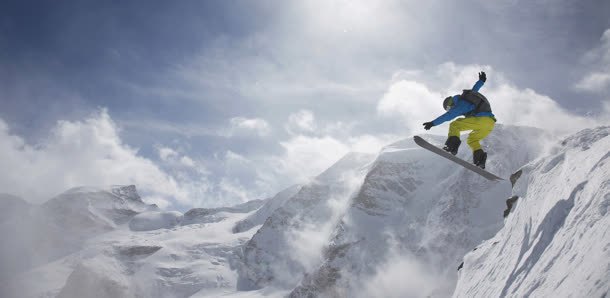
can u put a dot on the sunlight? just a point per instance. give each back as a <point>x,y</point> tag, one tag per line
<point>343,16</point>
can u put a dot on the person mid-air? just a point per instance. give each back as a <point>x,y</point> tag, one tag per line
<point>478,118</point>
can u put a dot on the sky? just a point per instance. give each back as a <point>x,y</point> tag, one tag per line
<point>212,103</point>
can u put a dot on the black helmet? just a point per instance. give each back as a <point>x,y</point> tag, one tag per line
<point>448,103</point>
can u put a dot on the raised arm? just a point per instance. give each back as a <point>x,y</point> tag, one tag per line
<point>480,82</point>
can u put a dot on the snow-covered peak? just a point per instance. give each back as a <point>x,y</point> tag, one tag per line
<point>555,243</point>
<point>127,192</point>
<point>94,206</point>
<point>38,234</point>
<point>258,218</point>
<point>121,194</point>
<point>416,205</point>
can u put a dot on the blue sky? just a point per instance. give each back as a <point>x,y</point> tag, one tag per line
<point>234,100</point>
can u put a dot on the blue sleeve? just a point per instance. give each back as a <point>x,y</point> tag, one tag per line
<point>460,108</point>
<point>478,85</point>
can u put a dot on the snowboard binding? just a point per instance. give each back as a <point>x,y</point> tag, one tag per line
<point>479,157</point>
<point>452,144</point>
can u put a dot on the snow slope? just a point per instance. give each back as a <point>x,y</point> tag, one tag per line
<point>258,218</point>
<point>203,215</point>
<point>290,241</point>
<point>556,242</point>
<point>154,220</point>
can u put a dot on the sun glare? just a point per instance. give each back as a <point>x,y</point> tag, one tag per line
<point>345,15</point>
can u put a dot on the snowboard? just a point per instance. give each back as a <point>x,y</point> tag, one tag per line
<point>424,144</point>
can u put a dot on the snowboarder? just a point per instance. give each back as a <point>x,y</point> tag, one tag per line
<point>479,119</point>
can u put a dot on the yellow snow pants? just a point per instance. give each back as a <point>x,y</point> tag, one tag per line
<point>480,126</point>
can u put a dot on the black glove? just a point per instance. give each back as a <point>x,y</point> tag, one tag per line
<point>482,76</point>
<point>428,125</point>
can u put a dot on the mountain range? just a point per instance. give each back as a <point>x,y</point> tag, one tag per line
<point>394,224</point>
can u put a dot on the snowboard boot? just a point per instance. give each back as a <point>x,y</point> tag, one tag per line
<point>452,144</point>
<point>479,157</point>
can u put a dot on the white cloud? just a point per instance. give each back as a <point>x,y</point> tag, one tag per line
<point>243,178</point>
<point>528,108</point>
<point>232,157</point>
<point>404,276</point>
<point>88,152</point>
<point>175,161</point>
<point>233,189</point>
<point>370,143</point>
<point>187,161</point>
<point>301,121</point>
<point>601,53</point>
<point>411,102</point>
<point>598,78</point>
<point>166,153</point>
<point>236,126</point>
<point>594,82</point>
<point>304,157</point>
<point>416,102</point>
<point>240,126</point>
<point>91,152</point>
<point>186,130</point>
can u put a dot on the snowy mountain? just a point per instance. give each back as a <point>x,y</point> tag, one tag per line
<point>395,224</point>
<point>416,205</point>
<point>125,249</point>
<point>37,234</point>
<point>556,242</point>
